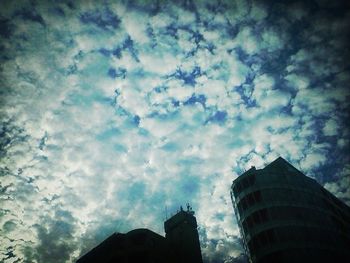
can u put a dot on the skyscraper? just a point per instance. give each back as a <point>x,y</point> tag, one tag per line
<point>285,216</point>
<point>180,244</point>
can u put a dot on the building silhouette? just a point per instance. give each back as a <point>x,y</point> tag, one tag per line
<point>182,237</point>
<point>180,244</point>
<point>285,216</point>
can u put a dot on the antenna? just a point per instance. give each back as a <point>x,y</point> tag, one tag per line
<point>189,209</point>
<point>166,212</point>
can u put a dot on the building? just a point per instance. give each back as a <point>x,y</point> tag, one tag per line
<point>182,237</point>
<point>285,216</point>
<point>180,244</point>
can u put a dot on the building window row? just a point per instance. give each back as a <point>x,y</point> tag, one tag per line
<point>289,213</point>
<point>298,235</point>
<point>286,196</point>
<point>265,238</point>
<point>340,224</point>
<point>336,210</point>
<point>291,196</point>
<point>249,200</point>
<point>248,181</point>
<point>256,218</point>
<point>312,235</point>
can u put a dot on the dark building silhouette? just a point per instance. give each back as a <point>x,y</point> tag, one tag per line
<point>285,216</point>
<point>182,237</point>
<point>180,244</point>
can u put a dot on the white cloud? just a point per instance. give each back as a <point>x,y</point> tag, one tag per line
<point>297,82</point>
<point>213,91</point>
<point>258,12</point>
<point>136,26</point>
<point>178,91</point>
<point>133,100</point>
<point>266,95</point>
<point>311,99</point>
<point>247,41</point>
<point>272,40</point>
<point>236,11</point>
<point>340,187</point>
<point>312,160</point>
<point>186,41</point>
<point>161,20</point>
<point>330,128</point>
<point>159,63</point>
<point>212,36</point>
<point>159,128</point>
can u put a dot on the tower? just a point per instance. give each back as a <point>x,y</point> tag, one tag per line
<point>182,237</point>
<point>285,216</point>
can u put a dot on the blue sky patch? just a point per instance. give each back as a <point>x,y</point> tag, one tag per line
<point>196,98</point>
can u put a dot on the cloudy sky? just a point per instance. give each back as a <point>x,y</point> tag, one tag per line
<point>112,113</point>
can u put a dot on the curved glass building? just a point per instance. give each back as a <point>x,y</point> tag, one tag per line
<point>285,216</point>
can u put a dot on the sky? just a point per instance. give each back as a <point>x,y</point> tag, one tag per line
<point>113,114</point>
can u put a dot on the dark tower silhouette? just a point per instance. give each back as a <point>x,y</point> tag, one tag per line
<point>182,235</point>
<point>180,245</point>
<point>285,216</point>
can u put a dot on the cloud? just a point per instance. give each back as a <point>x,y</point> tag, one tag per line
<point>136,27</point>
<point>57,234</point>
<point>340,186</point>
<point>330,128</point>
<point>247,41</point>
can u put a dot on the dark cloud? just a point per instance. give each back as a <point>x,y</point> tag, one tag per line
<point>56,238</point>
<point>98,232</point>
<point>217,250</point>
<point>9,226</point>
<point>104,19</point>
<point>5,28</point>
<point>30,14</point>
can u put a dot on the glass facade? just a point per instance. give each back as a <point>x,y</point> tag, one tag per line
<point>285,216</point>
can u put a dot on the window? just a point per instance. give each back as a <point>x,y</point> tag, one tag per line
<point>244,203</point>
<point>256,218</point>
<point>257,196</point>
<point>267,237</point>
<point>263,215</point>
<point>240,207</point>
<point>253,244</point>
<point>237,189</point>
<point>139,238</point>
<point>250,221</point>
<point>251,179</point>
<point>245,226</point>
<point>243,184</point>
<point>263,239</point>
<point>271,236</point>
<point>250,200</point>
